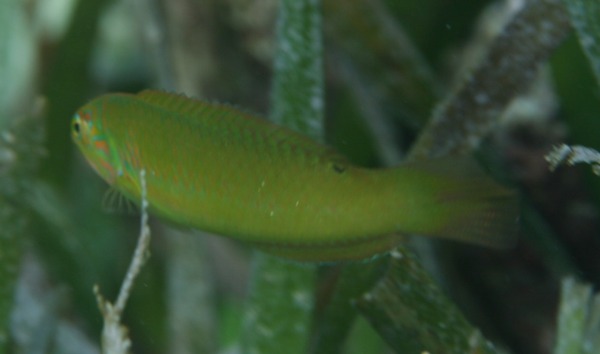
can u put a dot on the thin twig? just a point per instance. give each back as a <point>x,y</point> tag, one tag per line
<point>115,338</point>
<point>141,250</point>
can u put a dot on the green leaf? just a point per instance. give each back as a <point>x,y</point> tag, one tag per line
<point>279,311</point>
<point>585,18</point>
<point>414,316</point>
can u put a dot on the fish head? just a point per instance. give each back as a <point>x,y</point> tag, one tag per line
<point>94,143</point>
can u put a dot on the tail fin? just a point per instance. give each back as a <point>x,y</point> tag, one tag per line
<point>469,206</point>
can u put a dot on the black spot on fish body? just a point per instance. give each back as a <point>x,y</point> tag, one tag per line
<point>338,167</point>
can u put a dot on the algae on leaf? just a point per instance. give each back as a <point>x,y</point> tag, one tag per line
<point>512,62</point>
<point>424,319</point>
<point>297,96</point>
<point>578,319</point>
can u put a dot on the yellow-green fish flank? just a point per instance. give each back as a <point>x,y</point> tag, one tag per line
<point>215,168</point>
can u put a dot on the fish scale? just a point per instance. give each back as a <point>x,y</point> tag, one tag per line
<point>216,168</point>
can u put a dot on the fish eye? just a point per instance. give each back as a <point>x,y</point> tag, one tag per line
<point>76,125</point>
<point>338,167</point>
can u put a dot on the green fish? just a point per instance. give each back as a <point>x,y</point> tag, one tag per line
<point>215,168</point>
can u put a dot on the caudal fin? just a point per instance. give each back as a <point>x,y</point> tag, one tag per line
<point>469,206</point>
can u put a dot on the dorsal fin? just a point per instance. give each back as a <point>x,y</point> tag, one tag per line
<point>187,106</point>
<point>195,110</point>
